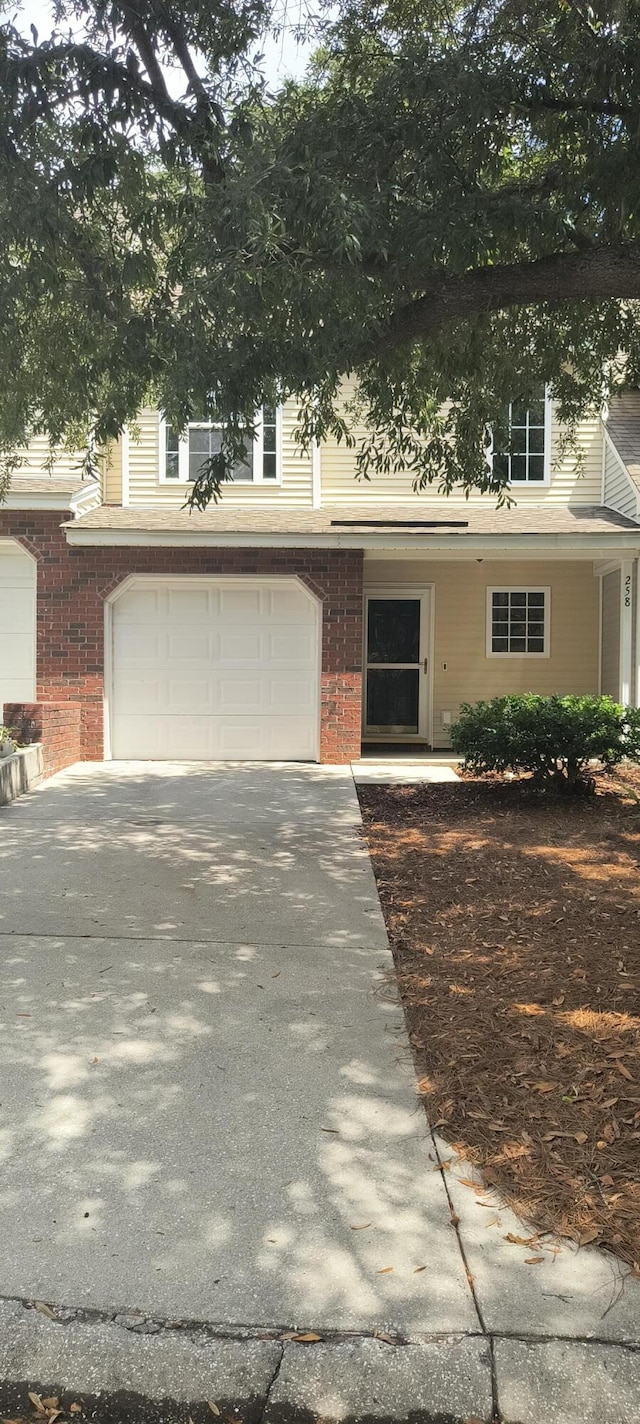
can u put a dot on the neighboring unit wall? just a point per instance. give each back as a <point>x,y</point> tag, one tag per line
<point>36,460</point>
<point>147,488</point>
<point>460,592</point>
<point>619,491</point>
<point>569,485</point>
<point>610,656</point>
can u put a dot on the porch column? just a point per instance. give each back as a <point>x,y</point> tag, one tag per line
<point>636,699</point>
<point>627,679</point>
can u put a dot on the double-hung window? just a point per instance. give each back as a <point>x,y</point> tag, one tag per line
<point>527,457</point>
<point>518,622</point>
<point>184,456</point>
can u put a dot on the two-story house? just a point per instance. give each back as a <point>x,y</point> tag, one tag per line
<point>308,613</point>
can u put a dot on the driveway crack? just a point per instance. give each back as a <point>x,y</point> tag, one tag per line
<point>271,1384</point>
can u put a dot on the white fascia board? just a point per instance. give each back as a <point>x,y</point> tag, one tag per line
<point>85,499</point>
<point>489,546</point>
<point>80,502</point>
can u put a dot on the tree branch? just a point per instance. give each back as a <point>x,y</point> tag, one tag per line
<point>144,45</point>
<point>596,275</point>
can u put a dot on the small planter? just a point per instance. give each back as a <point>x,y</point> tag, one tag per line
<point>7,748</point>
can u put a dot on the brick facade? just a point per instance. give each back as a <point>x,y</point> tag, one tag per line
<point>57,725</point>
<point>74,582</point>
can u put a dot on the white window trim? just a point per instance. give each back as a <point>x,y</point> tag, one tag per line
<point>519,588</point>
<point>544,483</point>
<point>184,483</point>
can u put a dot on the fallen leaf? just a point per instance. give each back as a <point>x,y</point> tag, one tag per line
<point>213,1407</point>
<point>589,1234</point>
<point>44,1309</point>
<point>624,1071</point>
<point>36,1402</point>
<point>545,1087</point>
<point>467,1182</point>
<point>380,1335</point>
<point>581,1138</point>
<point>453,1218</point>
<point>52,1402</point>
<point>364,1227</point>
<point>94,1061</point>
<point>519,1240</point>
<point>533,1260</point>
<point>385,1271</point>
<point>329,1129</point>
<point>418,1269</point>
<point>307,1338</point>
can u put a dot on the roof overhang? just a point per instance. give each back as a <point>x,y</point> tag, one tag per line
<point>620,543</point>
<point>73,499</point>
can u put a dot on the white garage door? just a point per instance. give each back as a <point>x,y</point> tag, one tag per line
<point>215,668</point>
<point>17,624</point>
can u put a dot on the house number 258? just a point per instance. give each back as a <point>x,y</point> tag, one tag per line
<point>627,591</point>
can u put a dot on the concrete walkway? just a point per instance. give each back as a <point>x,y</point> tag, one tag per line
<point>208,1115</point>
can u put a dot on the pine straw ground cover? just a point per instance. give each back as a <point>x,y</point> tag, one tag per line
<point>515,926</point>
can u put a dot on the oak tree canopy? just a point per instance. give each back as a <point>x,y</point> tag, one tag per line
<point>446,209</point>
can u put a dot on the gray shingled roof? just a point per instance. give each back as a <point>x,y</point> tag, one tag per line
<point>623,426</point>
<point>49,484</point>
<point>542,519</point>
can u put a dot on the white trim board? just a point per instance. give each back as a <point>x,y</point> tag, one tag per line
<point>498,546</point>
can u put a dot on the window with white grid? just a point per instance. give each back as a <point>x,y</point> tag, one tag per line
<point>526,460</point>
<point>186,455</point>
<point>518,622</point>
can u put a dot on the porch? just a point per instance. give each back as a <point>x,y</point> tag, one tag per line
<point>439,632</point>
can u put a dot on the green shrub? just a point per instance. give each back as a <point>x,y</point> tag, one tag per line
<point>554,738</point>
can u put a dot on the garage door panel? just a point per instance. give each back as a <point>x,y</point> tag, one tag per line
<point>240,646</point>
<point>17,625</point>
<point>184,605</point>
<point>222,671</point>
<point>240,603</point>
<point>135,645</point>
<point>183,647</point>
<point>292,648</point>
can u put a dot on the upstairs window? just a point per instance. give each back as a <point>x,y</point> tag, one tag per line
<point>185,456</point>
<point>526,461</point>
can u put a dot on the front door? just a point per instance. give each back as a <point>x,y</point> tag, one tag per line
<point>396,692</point>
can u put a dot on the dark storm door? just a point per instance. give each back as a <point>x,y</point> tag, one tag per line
<point>396,693</point>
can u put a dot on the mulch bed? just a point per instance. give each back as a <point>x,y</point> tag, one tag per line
<point>515,926</point>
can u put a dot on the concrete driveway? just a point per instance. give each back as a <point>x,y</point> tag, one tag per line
<point>208,1109</point>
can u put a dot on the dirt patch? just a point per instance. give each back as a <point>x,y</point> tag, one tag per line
<point>515,928</point>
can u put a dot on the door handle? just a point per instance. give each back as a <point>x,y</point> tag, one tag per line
<point>425,665</point>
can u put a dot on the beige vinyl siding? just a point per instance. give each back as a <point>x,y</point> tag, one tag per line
<point>147,488</point>
<point>460,599</point>
<point>112,473</point>
<point>571,483</point>
<point>610,667</point>
<point>36,455</point>
<point>619,490</point>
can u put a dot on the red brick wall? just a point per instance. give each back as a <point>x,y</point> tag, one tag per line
<point>58,725</point>
<point>73,583</point>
